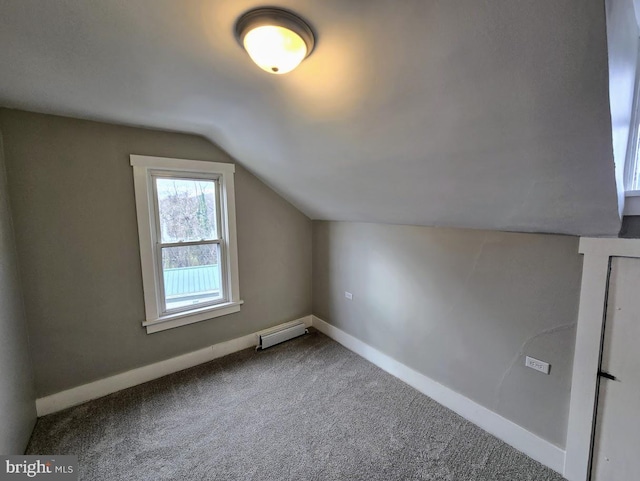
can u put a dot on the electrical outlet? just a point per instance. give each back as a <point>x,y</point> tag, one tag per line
<point>348,295</point>
<point>537,365</point>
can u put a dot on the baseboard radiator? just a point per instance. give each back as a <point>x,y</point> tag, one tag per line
<point>278,334</point>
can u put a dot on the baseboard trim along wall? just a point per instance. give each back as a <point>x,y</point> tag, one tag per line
<point>93,390</point>
<point>508,431</point>
<point>511,433</point>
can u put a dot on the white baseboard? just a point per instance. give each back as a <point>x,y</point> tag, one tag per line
<point>93,390</point>
<point>511,433</point>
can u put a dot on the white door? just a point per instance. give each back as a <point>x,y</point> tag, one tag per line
<point>616,453</point>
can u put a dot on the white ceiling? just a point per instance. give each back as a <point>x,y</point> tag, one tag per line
<point>474,113</point>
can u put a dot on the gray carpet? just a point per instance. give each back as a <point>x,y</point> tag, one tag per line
<point>308,409</point>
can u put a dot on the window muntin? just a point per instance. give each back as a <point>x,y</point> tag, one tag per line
<point>187,235</point>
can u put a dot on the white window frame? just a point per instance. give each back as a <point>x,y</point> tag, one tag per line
<point>144,170</point>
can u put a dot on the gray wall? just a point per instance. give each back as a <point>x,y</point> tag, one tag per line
<point>17,396</point>
<point>71,189</point>
<point>461,306</point>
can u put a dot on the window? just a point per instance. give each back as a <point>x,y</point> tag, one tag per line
<point>632,164</point>
<point>632,168</point>
<point>187,232</point>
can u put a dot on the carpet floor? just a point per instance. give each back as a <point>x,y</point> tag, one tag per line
<point>308,409</point>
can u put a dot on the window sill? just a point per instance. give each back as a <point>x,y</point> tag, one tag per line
<point>632,202</point>
<point>184,318</point>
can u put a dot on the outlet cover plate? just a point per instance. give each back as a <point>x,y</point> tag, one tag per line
<point>538,365</point>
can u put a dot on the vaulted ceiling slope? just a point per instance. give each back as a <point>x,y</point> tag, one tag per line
<point>487,114</point>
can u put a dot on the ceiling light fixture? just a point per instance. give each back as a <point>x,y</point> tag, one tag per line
<point>275,39</point>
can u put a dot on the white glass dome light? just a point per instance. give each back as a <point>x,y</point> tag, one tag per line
<point>275,39</point>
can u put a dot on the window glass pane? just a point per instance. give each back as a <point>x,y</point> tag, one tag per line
<point>634,181</point>
<point>187,209</point>
<point>192,275</point>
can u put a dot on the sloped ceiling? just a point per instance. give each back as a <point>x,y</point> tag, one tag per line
<point>473,113</point>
